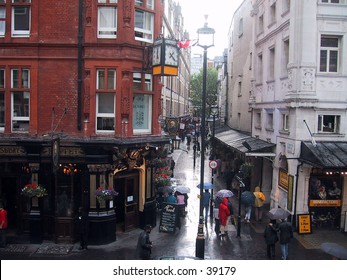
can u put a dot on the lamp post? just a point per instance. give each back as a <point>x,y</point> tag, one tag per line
<point>241,186</point>
<point>205,40</point>
<point>214,112</point>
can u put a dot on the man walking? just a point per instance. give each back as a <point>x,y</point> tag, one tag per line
<point>206,203</point>
<point>286,234</point>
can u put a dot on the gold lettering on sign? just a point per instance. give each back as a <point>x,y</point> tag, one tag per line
<point>12,150</point>
<point>71,152</point>
<point>64,152</point>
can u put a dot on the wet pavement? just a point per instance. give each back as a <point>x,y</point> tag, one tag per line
<point>249,246</point>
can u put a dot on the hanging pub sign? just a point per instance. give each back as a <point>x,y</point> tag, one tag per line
<point>172,126</point>
<point>165,57</point>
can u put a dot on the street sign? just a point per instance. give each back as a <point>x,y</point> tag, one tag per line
<point>213,164</point>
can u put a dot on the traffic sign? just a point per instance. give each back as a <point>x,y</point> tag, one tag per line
<point>213,164</point>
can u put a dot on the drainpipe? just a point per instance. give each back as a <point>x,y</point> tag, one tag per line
<point>296,192</point>
<point>80,65</point>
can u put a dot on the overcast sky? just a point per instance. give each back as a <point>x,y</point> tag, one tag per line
<point>220,13</point>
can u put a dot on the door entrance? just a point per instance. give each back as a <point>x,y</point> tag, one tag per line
<point>8,197</point>
<point>127,201</point>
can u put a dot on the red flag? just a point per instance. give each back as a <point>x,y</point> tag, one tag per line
<point>184,44</point>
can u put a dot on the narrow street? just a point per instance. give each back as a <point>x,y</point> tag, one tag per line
<point>250,246</point>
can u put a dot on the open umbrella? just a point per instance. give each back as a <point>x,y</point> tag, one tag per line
<point>224,193</point>
<point>166,189</point>
<point>182,189</point>
<point>278,213</point>
<point>335,250</point>
<point>207,186</point>
<point>247,198</point>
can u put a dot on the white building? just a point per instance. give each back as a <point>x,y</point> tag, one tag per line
<point>293,66</point>
<point>175,92</point>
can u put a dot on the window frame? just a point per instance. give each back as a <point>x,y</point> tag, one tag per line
<point>148,130</point>
<point>3,20</point>
<point>144,33</point>
<point>22,86</point>
<point>103,85</point>
<point>336,123</point>
<point>108,32</point>
<point>20,33</point>
<point>329,51</point>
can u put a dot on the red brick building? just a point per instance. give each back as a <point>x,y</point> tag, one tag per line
<point>79,110</point>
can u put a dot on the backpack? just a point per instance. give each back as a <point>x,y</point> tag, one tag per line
<point>261,196</point>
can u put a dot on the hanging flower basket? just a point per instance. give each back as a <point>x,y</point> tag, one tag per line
<point>162,176</point>
<point>103,194</point>
<point>34,190</point>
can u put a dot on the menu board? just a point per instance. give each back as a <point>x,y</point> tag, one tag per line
<point>168,218</point>
<point>304,223</point>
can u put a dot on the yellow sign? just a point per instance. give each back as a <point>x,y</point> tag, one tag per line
<point>304,224</point>
<point>325,203</point>
<point>283,179</point>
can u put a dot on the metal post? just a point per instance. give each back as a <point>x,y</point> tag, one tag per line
<point>200,239</point>
<point>213,156</point>
<point>241,186</point>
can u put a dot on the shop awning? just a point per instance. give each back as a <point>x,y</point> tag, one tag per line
<point>325,154</point>
<point>242,142</point>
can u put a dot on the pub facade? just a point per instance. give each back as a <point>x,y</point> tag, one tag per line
<point>79,116</point>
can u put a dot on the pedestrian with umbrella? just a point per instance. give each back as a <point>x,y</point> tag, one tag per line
<point>223,214</point>
<point>271,238</point>
<point>247,200</point>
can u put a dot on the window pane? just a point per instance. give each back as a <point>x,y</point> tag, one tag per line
<point>148,82</point>
<point>107,17</point>
<point>2,109</point>
<point>2,78</point>
<point>323,61</point>
<point>333,61</point>
<point>15,82</point>
<point>105,123</point>
<point>111,82</point>
<point>101,79</point>
<point>141,111</point>
<point>105,104</point>
<point>329,42</point>
<point>21,18</point>
<point>25,78</point>
<point>21,104</point>
<point>2,20</point>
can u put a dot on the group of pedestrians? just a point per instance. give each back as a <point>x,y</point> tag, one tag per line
<point>273,233</point>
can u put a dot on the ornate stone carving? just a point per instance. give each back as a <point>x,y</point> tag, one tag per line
<point>307,79</point>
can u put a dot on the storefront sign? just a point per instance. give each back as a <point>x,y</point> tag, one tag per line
<point>325,203</point>
<point>290,193</point>
<point>12,151</point>
<point>168,218</point>
<point>283,180</point>
<point>304,224</point>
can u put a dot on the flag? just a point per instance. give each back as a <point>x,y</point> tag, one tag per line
<point>186,43</point>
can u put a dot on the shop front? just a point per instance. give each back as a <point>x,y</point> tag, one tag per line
<point>327,183</point>
<point>72,175</point>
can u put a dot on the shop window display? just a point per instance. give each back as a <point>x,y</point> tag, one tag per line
<point>325,201</point>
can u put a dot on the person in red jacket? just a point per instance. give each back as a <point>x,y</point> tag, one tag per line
<point>3,226</point>
<point>223,214</point>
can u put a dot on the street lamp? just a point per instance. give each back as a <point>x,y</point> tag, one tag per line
<point>241,186</point>
<point>214,112</point>
<point>205,40</point>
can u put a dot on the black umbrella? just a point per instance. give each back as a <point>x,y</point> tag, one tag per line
<point>166,189</point>
<point>247,198</point>
<point>335,250</point>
